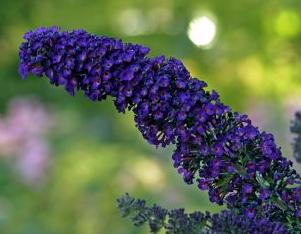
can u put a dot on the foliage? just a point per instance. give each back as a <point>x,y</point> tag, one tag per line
<point>176,221</point>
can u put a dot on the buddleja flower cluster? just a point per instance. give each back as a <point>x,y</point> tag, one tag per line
<point>217,148</point>
<point>178,222</point>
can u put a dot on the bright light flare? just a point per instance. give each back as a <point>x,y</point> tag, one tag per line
<point>202,31</point>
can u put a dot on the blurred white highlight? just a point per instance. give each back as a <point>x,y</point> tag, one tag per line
<point>201,31</point>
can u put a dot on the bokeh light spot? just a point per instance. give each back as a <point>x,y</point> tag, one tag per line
<point>202,31</point>
<point>148,172</point>
<point>287,24</point>
<point>132,22</point>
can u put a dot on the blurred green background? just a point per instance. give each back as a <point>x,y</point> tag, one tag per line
<point>64,160</point>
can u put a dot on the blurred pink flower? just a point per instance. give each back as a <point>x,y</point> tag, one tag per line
<point>34,161</point>
<point>23,138</point>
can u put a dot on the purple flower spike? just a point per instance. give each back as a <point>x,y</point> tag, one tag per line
<point>220,148</point>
